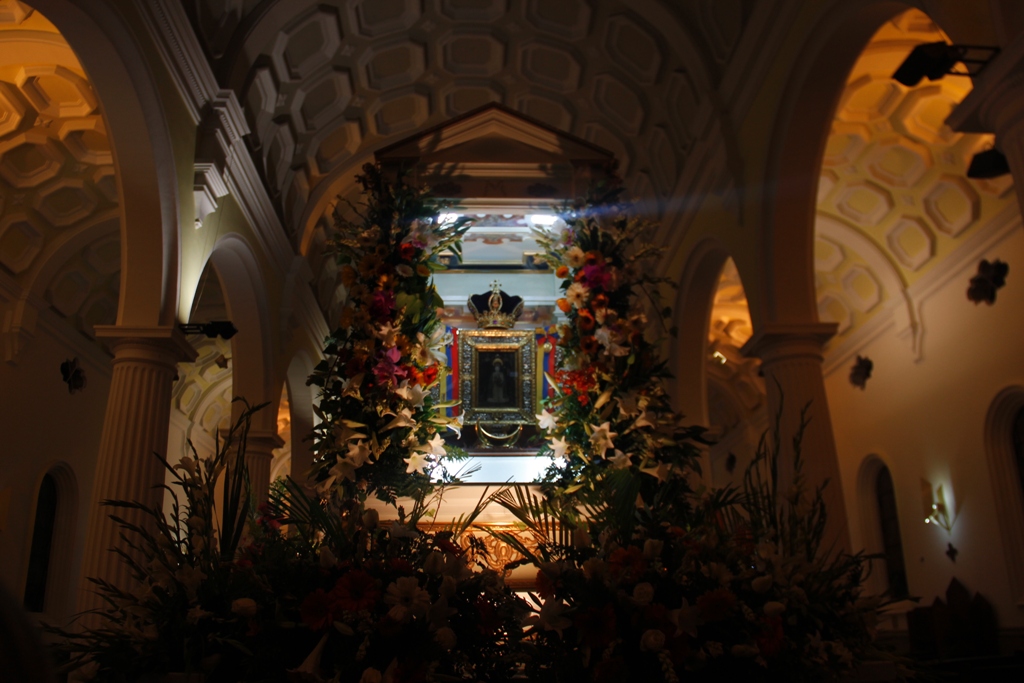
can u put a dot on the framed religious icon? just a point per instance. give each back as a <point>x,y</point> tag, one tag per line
<point>498,376</point>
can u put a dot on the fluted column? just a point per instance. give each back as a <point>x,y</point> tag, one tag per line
<point>996,105</point>
<point>134,428</point>
<point>791,358</point>
<point>259,455</point>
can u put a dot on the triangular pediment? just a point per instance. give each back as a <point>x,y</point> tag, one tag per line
<point>495,152</point>
<point>507,131</point>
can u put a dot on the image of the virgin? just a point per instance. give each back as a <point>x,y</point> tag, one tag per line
<point>497,380</point>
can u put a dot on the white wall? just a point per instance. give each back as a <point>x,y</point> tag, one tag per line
<point>43,424</point>
<point>926,420</point>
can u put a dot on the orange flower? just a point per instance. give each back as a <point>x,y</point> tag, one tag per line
<point>593,258</point>
<point>588,345</point>
<point>600,301</point>
<point>585,321</point>
<point>564,305</point>
<point>348,276</point>
<point>562,272</point>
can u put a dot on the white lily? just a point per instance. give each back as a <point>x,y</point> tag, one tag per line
<point>434,447</point>
<point>402,419</point>
<point>416,462</point>
<point>546,421</point>
<point>601,438</point>
<point>559,447</point>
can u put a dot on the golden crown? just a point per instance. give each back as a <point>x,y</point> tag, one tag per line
<point>496,309</point>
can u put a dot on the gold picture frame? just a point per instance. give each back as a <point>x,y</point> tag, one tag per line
<point>498,376</point>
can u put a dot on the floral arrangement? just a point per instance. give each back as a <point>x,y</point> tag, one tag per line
<point>308,590</point>
<point>379,433</point>
<point>610,426</point>
<point>737,589</point>
<point>642,572</point>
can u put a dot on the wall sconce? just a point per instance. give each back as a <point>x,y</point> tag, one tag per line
<point>215,328</point>
<point>936,510</point>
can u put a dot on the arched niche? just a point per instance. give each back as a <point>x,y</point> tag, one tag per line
<point>58,579</point>
<point>873,510</point>
<point>1003,418</point>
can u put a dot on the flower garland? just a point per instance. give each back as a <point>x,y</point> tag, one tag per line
<point>379,433</point>
<point>611,423</point>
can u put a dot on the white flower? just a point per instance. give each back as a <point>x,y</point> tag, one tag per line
<point>244,607</point>
<point>659,471</point>
<point>551,618</point>
<point>402,419</point>
<point>455,424</point>
<point>643,593</point>
<point>686,619</point>
<point>404,270</point>
<point>371,675</point>
<point>574,257</point>
<point>620,460</point>
<point>577,294</point>
<point>601,438</point>
<point>446,638</point>
<point>761,584</point>
<point>413,394</point>
<point>559,447</point>
<point>773,608</point>
<point>743,650</point>
<point>416,462</point>
<point>652,640</point>
<point>358,453</point>
<point>646,419</point>
<point>546,420</point>
<point>434,447</point>
<point>407,598</point>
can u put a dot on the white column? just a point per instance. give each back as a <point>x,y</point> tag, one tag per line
<point>134,428</point>
<point>259,455</point>
<point>791,358</point>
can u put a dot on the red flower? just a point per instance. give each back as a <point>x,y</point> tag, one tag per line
<point>597,626</point>
<point>588,345</point>
<point>316,610</point>
<point>402,566</point>
<point>585,321</point>
<point>355,591</point>
<point>407,252</point>
<point>490,620</point>
<point>771,639</point>
<point>716,605</point>
<point>627,563</point>
<point>448,547</point>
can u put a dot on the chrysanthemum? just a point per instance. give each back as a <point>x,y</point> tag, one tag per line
<point>577,294</point>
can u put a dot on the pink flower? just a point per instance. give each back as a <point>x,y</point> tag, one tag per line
<point>382,304</point>
<point>386,371</point>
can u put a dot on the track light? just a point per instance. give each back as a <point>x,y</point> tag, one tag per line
<point>988,164</point>
<point>935,60</point>
<point>215,328</point>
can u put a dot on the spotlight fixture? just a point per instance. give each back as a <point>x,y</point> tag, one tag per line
<point>935,60</point>
<point>988,164</point>
<point>215,328</point>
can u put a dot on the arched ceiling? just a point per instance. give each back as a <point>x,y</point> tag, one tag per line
<point>894,202</point>
<point>59,231</point>
<point>324,84</point>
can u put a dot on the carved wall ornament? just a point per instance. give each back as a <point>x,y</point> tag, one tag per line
<point>990,278</point>
<point>860,373</point>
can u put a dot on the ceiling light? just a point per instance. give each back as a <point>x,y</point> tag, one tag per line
<point>935,60</point>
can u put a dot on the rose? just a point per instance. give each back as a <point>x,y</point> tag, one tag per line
<point>446,638</point>
<point>244,607</point>
<point>652,640</point>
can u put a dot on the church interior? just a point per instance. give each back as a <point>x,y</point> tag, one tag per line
<point>828,246</point>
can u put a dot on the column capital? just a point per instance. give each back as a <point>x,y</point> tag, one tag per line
<point>166,341</point>
<point>781,341</point>
<point>262,442</point>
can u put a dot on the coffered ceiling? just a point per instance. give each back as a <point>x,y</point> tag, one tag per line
<point>324,84</point>
<point>59,230</point>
